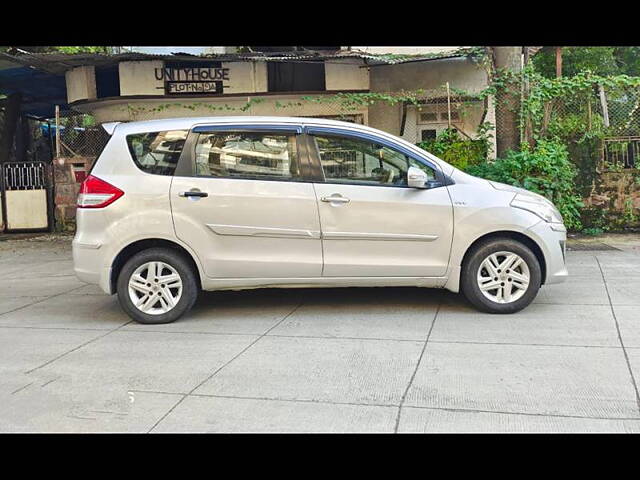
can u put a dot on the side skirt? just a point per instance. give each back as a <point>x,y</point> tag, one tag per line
<point>321,282</point>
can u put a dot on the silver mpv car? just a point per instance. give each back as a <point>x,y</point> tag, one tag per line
<point>179,205</point>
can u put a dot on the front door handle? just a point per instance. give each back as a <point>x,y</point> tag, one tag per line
<point>193,193</point>
<point>335,198</point>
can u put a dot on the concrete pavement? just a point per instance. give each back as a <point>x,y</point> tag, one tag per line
<point>335,360</point>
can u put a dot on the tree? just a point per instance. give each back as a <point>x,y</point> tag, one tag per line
<point>599,60</point>
<point>507,61</point>
<point>64,49</point>
<point>628,60</point>
<point>84,49</point>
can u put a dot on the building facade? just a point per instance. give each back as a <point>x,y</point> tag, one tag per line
<point>156,86</point>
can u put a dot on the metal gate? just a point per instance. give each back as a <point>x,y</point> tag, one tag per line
<point>26,196</point>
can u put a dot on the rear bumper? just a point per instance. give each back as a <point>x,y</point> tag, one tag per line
<point>88,266</point>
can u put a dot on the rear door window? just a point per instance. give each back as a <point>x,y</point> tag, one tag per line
<point>157,152</point>
<point>247,155</point>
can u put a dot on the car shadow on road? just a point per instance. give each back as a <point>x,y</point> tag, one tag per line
<point>348,297</point>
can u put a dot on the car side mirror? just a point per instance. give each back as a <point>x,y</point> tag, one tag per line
<point>416,178</point>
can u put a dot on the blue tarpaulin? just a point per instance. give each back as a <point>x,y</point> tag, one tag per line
<point>45,128</point>
<point>41,91</point>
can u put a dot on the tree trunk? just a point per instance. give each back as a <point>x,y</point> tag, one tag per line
<point>558,62</point>
<point>507,99</point>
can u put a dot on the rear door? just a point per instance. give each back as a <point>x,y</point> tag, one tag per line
<point>241,200</point>
<point>372,223</point>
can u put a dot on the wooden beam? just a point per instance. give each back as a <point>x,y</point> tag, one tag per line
<point>558,62</point>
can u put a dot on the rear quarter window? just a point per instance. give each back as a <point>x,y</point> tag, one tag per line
<point>157,152</point>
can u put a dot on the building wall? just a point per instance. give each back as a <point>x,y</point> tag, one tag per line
<point>138,78</point>
<point>385,117</point>
<point>346,74</point>
<point>245,77</point>
<point>126,110</point>
<point>461,73</point>
<point>81,83</point>
<point>616,194</point>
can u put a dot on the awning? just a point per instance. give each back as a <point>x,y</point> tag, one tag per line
<point>40,91</point>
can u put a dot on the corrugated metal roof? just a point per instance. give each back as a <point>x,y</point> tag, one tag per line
<point>40,77</point>
<point>60,62</point>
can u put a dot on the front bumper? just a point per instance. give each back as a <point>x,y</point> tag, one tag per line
<point>552,239</point>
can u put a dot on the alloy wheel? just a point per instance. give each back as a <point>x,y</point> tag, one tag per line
<point>503,277</point>
<point>155,288</point>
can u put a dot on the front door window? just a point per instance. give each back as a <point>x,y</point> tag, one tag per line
<point>361,162</point>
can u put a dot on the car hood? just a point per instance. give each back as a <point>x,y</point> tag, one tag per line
<point>459,176</point>
<point>522,191</point>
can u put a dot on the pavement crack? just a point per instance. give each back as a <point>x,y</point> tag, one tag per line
<point>43,300</point>
<point>50,381</point>
<point>528,414</point>
<point>77,348</point>
<point>615,319</point>
<point>215,372</point>
<point>296,400</point>
<point>415,370</point>
<point>21,388</point>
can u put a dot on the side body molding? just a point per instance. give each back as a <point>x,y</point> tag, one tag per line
<point>253,231</point>
<point>249,231</point>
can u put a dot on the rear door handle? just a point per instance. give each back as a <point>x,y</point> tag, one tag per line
<point>193,193</point>
<point>335,198</point>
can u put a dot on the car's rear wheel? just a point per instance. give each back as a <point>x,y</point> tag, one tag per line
<point>501,275</point>
<point>157,285</point>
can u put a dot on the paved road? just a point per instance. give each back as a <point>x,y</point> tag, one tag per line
<point>338,360</point>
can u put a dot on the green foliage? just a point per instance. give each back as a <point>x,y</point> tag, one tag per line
<point>346,101</point>
<point>545,90</point>
<point>628,60</point>
<point>542,92</point>
<point>461,153</point>
<point>600,60</point>
<point>592,231</point>
<point>595,219</point>
<point>603,218</point>
<point>82,49</point>
<point>545,170</point>
<point>628,216</point>
<point>476,54</point>
<point>65,49</point>
<point>359,99</point>
<point>575,127</point>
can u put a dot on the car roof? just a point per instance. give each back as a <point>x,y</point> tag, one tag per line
<point>189,122</point>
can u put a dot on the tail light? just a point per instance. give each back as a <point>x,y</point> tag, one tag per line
<point>96,193</point>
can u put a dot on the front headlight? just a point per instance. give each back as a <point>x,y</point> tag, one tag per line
<point>541,207</point>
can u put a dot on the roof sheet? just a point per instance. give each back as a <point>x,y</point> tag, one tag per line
<point>60,62</point>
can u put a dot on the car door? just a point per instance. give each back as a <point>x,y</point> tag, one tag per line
<point>372,223</point>
<point>240,200</point>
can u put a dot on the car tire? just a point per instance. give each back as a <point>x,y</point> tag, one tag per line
<point>163,297</point>
<point>509,295</point>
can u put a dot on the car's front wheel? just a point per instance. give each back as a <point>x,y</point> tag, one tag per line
<point>501,275</point>
<point>157,285</point>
